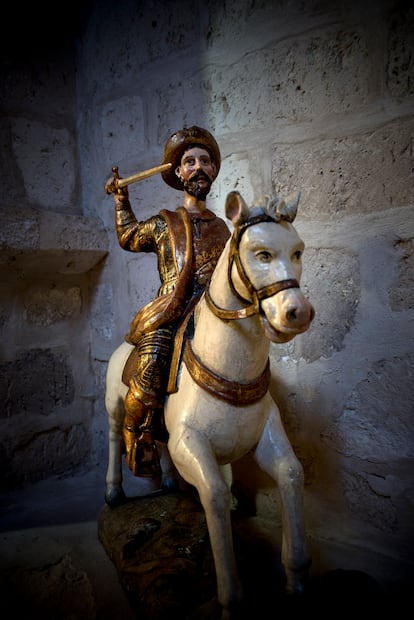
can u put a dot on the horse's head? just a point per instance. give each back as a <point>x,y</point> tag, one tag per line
<point>265,264</point>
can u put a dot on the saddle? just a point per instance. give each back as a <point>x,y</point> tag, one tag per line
<point>183,333</point>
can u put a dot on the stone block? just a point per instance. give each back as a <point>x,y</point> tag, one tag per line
<point>47,305</point>
<point>46,157</point>
<point>356,174</point>
<point>401,293</point>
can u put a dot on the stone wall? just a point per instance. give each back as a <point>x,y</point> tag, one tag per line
<point>51,256</point>
<point>309,96</point>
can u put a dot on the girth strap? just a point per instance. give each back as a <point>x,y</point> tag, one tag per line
<point>233,392</point>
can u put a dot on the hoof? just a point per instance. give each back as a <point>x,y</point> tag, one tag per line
<point>297,581</point>
<point>246,505</point>
<point>170,485</point>
<point>115,497</point>
<point>235,612</point>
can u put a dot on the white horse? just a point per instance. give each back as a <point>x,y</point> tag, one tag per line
<point>222,408</point>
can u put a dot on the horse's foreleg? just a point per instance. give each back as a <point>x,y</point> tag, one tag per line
<point>216,499</point>
<point>295,557</point>
<point>275,456</point>
<point>197,465</point>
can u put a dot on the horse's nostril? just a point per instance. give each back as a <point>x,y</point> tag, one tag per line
<point>291,314</point>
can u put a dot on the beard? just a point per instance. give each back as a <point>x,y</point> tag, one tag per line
<point>193,187</point>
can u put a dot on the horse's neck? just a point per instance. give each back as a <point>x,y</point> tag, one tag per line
<point>236,349</point>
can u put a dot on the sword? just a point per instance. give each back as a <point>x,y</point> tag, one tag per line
<point>117,183</point>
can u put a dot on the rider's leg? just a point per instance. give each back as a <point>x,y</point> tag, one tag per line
<point>145,400</point>
<point>141,452</point>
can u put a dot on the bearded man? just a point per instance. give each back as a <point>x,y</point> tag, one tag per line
<point>188,243</point>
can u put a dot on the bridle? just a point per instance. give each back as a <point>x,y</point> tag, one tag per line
<point>257,295</point>
<point>233,392</point>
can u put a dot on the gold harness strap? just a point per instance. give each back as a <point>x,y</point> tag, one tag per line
<point>233,392</point>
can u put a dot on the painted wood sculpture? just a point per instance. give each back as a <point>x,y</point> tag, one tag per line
<point>222,408</point>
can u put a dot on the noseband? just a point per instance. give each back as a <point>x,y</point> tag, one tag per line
<point>257,295</point>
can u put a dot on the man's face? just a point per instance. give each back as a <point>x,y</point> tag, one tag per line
<point>196,172</point>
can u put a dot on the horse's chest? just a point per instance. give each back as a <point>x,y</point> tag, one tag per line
<point>230,430</point>
<point>232,438</point>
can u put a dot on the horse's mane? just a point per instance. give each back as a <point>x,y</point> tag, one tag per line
<point>277,207</point>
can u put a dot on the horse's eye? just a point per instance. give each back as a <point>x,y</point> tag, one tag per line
<point>264,256</point>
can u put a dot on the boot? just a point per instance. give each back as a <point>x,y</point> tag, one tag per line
<point>147,462</point>
<point>141,452</point>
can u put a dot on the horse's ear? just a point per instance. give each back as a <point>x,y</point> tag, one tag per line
<point>236,208</point>
<point>289,207</point>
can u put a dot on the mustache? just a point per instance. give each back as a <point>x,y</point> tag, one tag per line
<point>200,175</point>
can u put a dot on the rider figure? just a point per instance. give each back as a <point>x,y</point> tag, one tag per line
<point>188,243</point>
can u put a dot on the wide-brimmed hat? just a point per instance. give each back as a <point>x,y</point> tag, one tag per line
<point>179,142</point>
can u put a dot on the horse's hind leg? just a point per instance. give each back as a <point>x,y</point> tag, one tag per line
<point>275,456</point>
<point>114,493</point>
<point>115,392</point>
<point>170,481</point>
